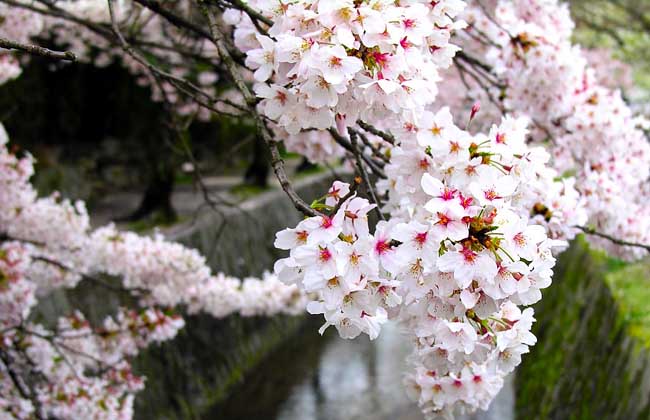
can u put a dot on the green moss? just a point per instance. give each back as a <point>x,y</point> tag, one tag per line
<point>311,171</point>
<point>593,320</point>
<point>245,191</point>
<point>218,353</point>
<point>157,219</point>
<point>630,287</point>
<point>182,178</point>
<point>289,155</point>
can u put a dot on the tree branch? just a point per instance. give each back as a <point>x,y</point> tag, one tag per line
<point>347,145</point>
<point>377,132</point>
<point>364,174</point>
<point>37,50</point>
<point>252,13</point>
<point>251,102</point>
<point>592,231</point>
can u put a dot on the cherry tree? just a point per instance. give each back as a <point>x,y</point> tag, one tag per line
<point>479,135</point>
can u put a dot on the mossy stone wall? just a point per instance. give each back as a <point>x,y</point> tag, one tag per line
<point>199,368</point>
<point>592,359</point>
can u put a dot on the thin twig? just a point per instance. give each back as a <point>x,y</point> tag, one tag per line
<point>235,74</point>
<point>179,21</point>
<point>88,277</point>
<point>345,143</point>
<point>252,13</point>
<point>592,231</point>
<point>28,393</point>
<point>375,150</point>
<point>184,85</point>
<point>364,175</point>
<point>37,50</point>
<point>353,190</point>
<point>377,132</point>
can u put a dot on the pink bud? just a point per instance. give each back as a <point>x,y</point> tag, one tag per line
<point>475,109</point>
<point>341,124</point>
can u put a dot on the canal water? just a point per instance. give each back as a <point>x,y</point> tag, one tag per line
<point>328,378</point>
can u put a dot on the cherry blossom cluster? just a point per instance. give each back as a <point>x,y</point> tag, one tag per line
<point>474,219</point>
<point>470,238</point>
<point>19,26</point>
<point>73,369</point>
<point>432,140</point>
<point>336,258</point>
<point>592,132</point>
<point>348,58</point>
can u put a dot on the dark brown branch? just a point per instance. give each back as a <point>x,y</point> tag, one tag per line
<point>375,150</point>
<point>252,13</point>
<point>23,388</point>
<point>235,74</point>
<point>464,70</point>
<point>183,85</point>
<point>364,174</point>
<point>353,190</point>
<point>37,50</point>
<point>347,145</point>
<point>181,22</point>
<point>480,67</point>
<point>173,18</point>
<point>377,132</point>
<point>592,231</point>
<point>88,277</point>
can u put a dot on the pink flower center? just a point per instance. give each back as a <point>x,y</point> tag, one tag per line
<point>382,246</point>
<point>519,239</point>
<point>335,62</point>
<point>326,223</point>
<point>466,201</point>
<point>469,255</point>
<point>443,219</point>
<point>447,194</point>
<point>409,23</point>
<point>491,194</point>
<point>302,236</point>
<point>281,97</point>
<point>325,255</point>
<point>380,58</point>
<point>334,193</point>
<point>421,238</point>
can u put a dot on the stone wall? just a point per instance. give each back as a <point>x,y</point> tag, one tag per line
<point>592,357</point>
<point>198,369</point>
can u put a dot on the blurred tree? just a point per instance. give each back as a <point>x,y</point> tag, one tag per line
<point>620,25</point>
<point>103,130</point>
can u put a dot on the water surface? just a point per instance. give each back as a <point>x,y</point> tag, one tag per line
<point>328,378</point>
